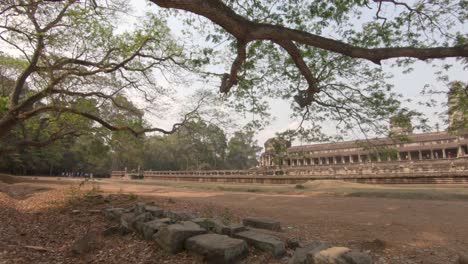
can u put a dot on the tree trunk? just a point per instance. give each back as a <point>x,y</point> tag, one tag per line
<point>7,123</point>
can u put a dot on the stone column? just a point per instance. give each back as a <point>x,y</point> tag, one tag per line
<point>432,154</point>
<point>398,156</point>
<point>420,155</point>
<point>409,155</point>
<point>334,159</point>
<point>378,158</point>
<point>351,159</point>
<point>359,158</point>
<point>444,155</point>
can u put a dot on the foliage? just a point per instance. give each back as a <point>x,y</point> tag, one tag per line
<point>72,61</point>
<point>308,52</point>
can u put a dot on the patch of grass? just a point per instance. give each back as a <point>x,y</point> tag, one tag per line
<point>253,190</point>
<point>300,187</point>
<point>227,216</point>
<point>74,193</point>
<point>410,195</point>
<point>132,197</point>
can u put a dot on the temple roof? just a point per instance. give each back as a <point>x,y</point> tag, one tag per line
<point>432,136</point>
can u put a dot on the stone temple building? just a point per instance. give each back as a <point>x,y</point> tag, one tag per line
<point>403,147</point>
<point>424,146</point>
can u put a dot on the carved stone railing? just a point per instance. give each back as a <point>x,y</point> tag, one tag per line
<point>425,168</point>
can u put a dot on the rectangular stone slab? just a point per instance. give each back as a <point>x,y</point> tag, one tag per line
<point>151,227</point>
<point>172,237</point>
<point>263,223</point>
<point>154,210</point>
<point>217,249</point>
<point>264,242</point>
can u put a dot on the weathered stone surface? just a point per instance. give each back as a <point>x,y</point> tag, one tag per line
<point>357,257</point>
<point>172,237</point>
<point>140,208</point>
<point>180,215</point>
<point>140,220</point>
<point>165,220</point>
<point>263,242</point>
<point>292,243</point>
<point>300,254</point>
<point>217,248</point>
<point>206,223</point>
<point>155,211</point>
<point>113,213</point>
<point>338,255</point>
<point>262,222</point>
<point>462,259</point>
<point>85,244</point>
<point>127,220</point>
<point>233,229</point>
<point>151,227</point>
<point>131,221</point>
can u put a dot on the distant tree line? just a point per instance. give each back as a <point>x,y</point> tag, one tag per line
<point>196,146</point>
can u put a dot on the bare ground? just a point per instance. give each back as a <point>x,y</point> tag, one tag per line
<point>38,213</point>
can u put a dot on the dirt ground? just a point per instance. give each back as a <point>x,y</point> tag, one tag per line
<point>393,230</point>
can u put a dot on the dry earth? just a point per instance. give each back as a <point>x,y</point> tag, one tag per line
<point>37,224</point>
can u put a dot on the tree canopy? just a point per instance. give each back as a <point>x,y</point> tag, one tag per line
<point>71,71</point>
<point>65,54</point>
<point>326,55</point>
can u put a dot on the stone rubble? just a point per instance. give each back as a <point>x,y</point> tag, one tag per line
<point>218,242</point>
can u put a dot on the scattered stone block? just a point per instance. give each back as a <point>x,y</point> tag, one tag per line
<point>85,244</point>
<point>140,208</point>
<point>263,242</point>
<point>113,213</point>
<point>180,215</point>
<point>217,249</point>
<point>216,226</point>
<point>149,228</point>
<point>172,237</point>
<point>131,221</point>
<point>263,223</point>
<point>126,221</point>
<point>338,255</point>
<point>94,211</point>
<point>155,211</point>
<point>76,211</point>
<point>300,254</point>
<point>140,220</point>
